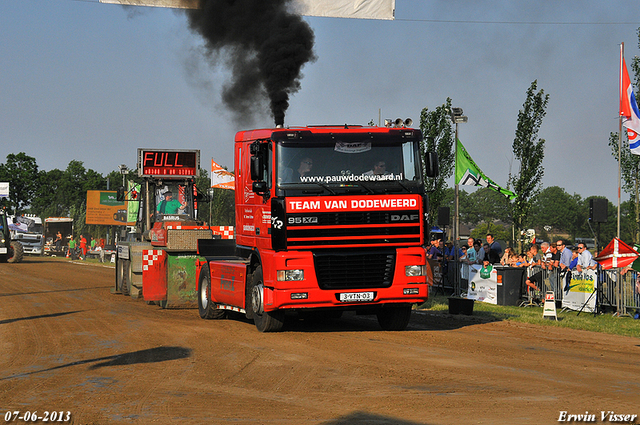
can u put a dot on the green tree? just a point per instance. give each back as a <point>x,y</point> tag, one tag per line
<point>219,207</point>
<point>49,200</point>
<point>488,206</point>
<point>556,208</point>
<point>499,232</point>
<point>528,149</point>
<point>437,136</point>
<point>21,171</point>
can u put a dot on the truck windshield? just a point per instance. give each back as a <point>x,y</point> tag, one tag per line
<point>174,201</point>
<point>368,165</point>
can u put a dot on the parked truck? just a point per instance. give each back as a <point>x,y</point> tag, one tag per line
<point>53,245</point>
<point>328,219</point>
<point>28,230</point>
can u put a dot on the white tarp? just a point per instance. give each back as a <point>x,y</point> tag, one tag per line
<point>362,9</point>
<point>4,189</point>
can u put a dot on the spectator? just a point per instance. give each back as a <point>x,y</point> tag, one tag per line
<point>535,259</point>
<point>487,267</point>
<point>450,252</point>
<point>72,248</point>
<point>464,270</point>
<point>494,245</point>
<point>83,246</point>
<point>575,253</point>
<point>434,252</point>
<point>481,251</point>
<point>58,241</point>
<point>585,259</point>
<point>545,254</point>
<point>565,255</point>
<point>509,258</point>
<point>521,261</point>
<point>472,252</point>
<point>552,266</point>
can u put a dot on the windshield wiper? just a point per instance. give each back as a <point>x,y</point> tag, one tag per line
<point>326,187</point>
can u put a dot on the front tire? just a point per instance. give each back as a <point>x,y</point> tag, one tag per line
<point>265,321</point>
<point>15,252</point>
<point>394,318</point>
<point>206,307</point>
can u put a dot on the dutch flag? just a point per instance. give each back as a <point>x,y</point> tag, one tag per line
<point>629,110</point>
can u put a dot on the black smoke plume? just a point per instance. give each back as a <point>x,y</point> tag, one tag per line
<point>263,44</point>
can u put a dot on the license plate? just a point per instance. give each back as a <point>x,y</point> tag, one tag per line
<point>3,250</point>
<point>349,297</point>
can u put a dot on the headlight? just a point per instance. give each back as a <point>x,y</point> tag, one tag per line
<point>415,270</point>
<point>287,275</point>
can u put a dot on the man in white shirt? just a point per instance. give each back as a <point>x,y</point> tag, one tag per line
<point>585,259</point>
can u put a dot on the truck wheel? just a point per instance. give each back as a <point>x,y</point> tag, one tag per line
<point>265,321</point>
<point>206,307</point>
<point>394,318</point>
<point>119,274</point>
<point>15,252</point>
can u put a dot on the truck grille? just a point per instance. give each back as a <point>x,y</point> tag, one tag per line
<point>353,229</point>
<point>338,269</point>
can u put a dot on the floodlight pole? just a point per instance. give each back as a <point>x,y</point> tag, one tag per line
<point>457,117</point>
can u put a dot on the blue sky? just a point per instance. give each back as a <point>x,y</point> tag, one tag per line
<point>93,82</point>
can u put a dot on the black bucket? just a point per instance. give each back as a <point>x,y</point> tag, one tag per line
<point>458,305</point>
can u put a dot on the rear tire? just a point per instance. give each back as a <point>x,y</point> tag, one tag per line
<point>265,321</point>
<point>15,252</point>
<point>206,307</point>
<point>119,274</point>
<point>394,318</point>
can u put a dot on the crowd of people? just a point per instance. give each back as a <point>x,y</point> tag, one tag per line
<point>555,259</point>
<point>78,247</point>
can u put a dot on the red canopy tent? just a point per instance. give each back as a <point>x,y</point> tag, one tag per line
<point>616,254</point>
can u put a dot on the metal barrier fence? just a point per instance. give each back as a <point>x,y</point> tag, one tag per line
<point>607,296</point>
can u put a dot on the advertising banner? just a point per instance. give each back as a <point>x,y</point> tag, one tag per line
<point>483,284</point>
<point>434,272</point>
<point>133,194</point>
<point>579,289</point>
<point>104,208</point>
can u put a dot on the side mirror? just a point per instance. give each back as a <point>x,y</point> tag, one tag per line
<point>260,187</point>
<point>202,197</point>
<point>431,164</point>
<point>257,168</point>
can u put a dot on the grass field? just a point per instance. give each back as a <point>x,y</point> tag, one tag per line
<point>607,323</point>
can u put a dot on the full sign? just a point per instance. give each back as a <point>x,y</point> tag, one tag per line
<point>168,163</point>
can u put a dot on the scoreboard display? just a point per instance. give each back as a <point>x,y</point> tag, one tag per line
<point>168,163</point>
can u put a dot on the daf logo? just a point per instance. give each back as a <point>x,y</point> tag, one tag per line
<point>404,217</point>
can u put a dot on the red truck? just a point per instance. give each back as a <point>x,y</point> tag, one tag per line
<point>329,218</point>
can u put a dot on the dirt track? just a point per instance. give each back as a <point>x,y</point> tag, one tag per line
<point>68,344</point>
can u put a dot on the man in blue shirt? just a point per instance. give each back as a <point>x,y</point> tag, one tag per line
<point>565,255</point>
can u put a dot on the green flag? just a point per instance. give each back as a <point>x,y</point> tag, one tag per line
<point>469,174</point>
